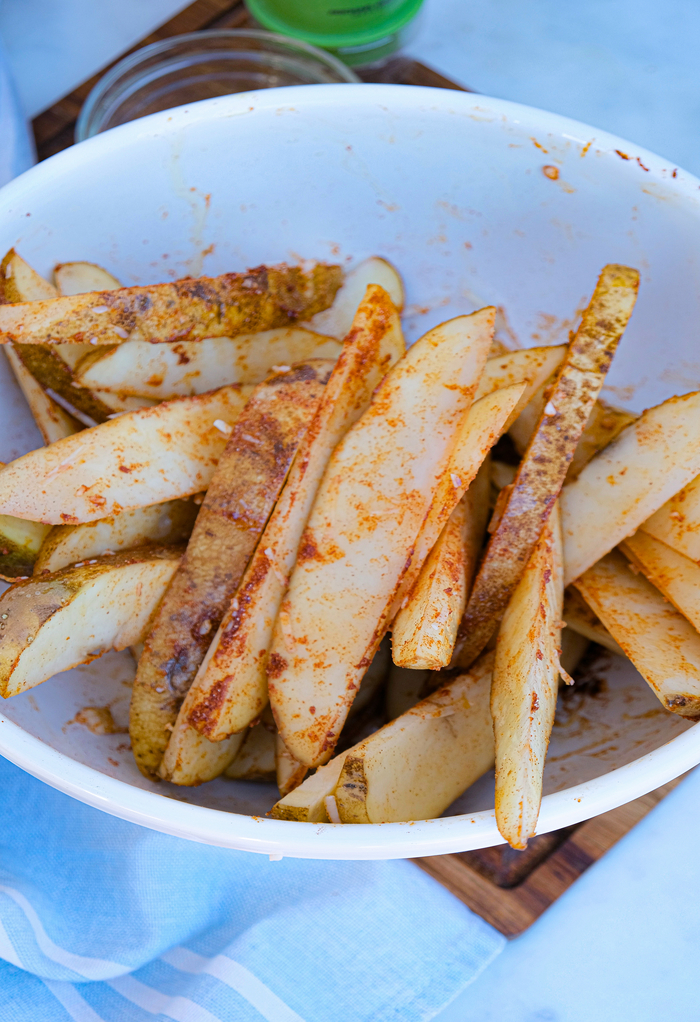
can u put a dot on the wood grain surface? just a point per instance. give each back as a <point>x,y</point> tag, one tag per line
<point>511,909</point>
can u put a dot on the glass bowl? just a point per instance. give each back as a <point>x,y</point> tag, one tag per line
<point>200,65</point>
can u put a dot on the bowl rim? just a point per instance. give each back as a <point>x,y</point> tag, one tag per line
<point>123,75</point>
<point>328,841</point>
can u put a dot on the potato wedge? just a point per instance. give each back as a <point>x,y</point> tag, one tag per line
<point>185,310</point>
<point>50,368</point>
<point>425,630</point>
<point>52,421</point>
<point>141,458</point>
<point>241,495</point>
<point>531,366</point>
<point>525,686</point>
<point>378,512</point>
<point>163,524</point>
<point>545,463</point>
<point>373,678</point>
<point>677,522</point>
<point>164,371</point>
<point>80,278</point>
<point>231,688</point>
<point>289,772</point>
<point>126,403</point>
<point>379,485</point>
<point>20,543</point>
<point>77,614</point>
<point>580,618</point>
<point>660,642</point>
<point>19,283</point>
<point>604,424</point>
<point>256,758</point>
<point>416,766</point>
<point>479,429</point>
<point>191,760</point>
<point>307,802</point>
<point>573,648</point>
<point>337,320</point>
<point>673,574</point>
<point>404,688</point>
<point>627,482</point>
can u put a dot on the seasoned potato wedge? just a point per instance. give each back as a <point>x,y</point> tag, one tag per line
<point>53,369</point>
<point>234,669</point>
<point>580,618</point>
<point>164,371</point>
<point>20,543</point>
<point>126,403</point>
<point>256,758</point>
<point>425,630</point>
<point>19,282</point>
<point>373,678</point>
<point>138,459</point>
<point>573,648</point>
<point>378,487</point>
<point>168,523</point>
<point>289,772</point>
<point>307,802</point>
<point>677,523</point>
<point>81,278</point>
<point>531,366</point>
<point>191,760</point>
<point>52,421</point>
<point>479,429</point>
<point>77,614</point>
<point>185,310</point>
<point>660,642</point>
<point>541,473</point>
<point>404,688</point>
<point>241,495</point>
<point>416,766</point>
<point>525,685</point>
<point>624,484</point>
<point>604,424</point>
<point>338,319</point>
<point>673,574</point>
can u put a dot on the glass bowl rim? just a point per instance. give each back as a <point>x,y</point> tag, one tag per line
<point>83,128</point>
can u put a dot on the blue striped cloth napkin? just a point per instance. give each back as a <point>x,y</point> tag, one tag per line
<point>105,921</point>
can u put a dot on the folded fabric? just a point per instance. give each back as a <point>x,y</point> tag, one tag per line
<point>104,920</point>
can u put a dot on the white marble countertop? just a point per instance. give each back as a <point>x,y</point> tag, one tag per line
<point>622,943</point>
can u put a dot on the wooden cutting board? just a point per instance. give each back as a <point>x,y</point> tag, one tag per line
<point>509,889</point>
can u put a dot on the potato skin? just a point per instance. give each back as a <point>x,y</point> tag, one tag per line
<point>166,523</point>
<point>30,602</point>
<point>185,310</point>
<point>44,363</point>
<point>237,505</point>
<point>550,451</point>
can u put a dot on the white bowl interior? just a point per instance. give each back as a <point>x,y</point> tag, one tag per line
<point>451,188</point>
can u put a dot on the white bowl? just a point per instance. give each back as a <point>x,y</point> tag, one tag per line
<point>451,187</point>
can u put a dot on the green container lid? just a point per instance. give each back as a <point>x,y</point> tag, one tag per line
<point>356,31</point>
